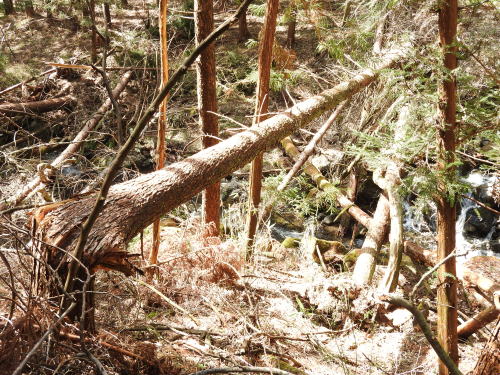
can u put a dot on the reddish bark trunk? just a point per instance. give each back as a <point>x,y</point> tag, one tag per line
<point>261,109</point>
<point>207,106</point>
<point>447,290</point>
<point>162,119</point>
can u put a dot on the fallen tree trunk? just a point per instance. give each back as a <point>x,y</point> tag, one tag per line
<point>375,238</point>
<point>41,106</point>
<point>477,322</point>
<point>36,183</point>
<point>135,204</point>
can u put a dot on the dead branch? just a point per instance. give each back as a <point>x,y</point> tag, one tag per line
<point>481,319</point>
<point>426,330</point>
<point>309,149</point>
<point>228,370</point>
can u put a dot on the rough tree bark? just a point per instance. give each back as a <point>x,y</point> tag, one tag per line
<point>260,114</point>
<point>134,204</point>
<point>207,107</point>
<point>244,33</point>
<point>447,290</point>
<point>162,119</point>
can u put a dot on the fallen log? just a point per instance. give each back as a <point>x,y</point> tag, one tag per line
<point>36,184</point>
<point>135,204</point>
<point>479,320</point>
<point>41,106</point>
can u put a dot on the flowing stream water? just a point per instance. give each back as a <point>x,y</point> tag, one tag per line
<point>421,227</point>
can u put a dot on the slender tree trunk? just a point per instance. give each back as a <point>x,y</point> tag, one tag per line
<point>207,106</point>
<point>162,120</point>
<point>447,289</point>
<point>489,362</point>
<point>291,25</point>
<point>244,33</point>
<point>8,6</point>
<point>93,35</point>
<point>392,182</point>
<point>260,114</point>
<point>107,15</point>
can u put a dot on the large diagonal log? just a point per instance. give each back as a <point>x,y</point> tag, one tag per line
<point>135,204</point>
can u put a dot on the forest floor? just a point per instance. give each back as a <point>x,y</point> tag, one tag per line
<point>204,307</point>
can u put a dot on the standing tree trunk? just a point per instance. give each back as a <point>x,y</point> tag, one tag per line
<point>244,33</point>
<point>8,6</point>
<point>207,106</point>
<point>107,15</point>
<point>292,25</point>
<point>162,119</point>
<point>93,35</point>
<point>447,290</point>
<point>260,114</point>
<point>489,362</point>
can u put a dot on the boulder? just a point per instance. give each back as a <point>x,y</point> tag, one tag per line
<point>478,222</point>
